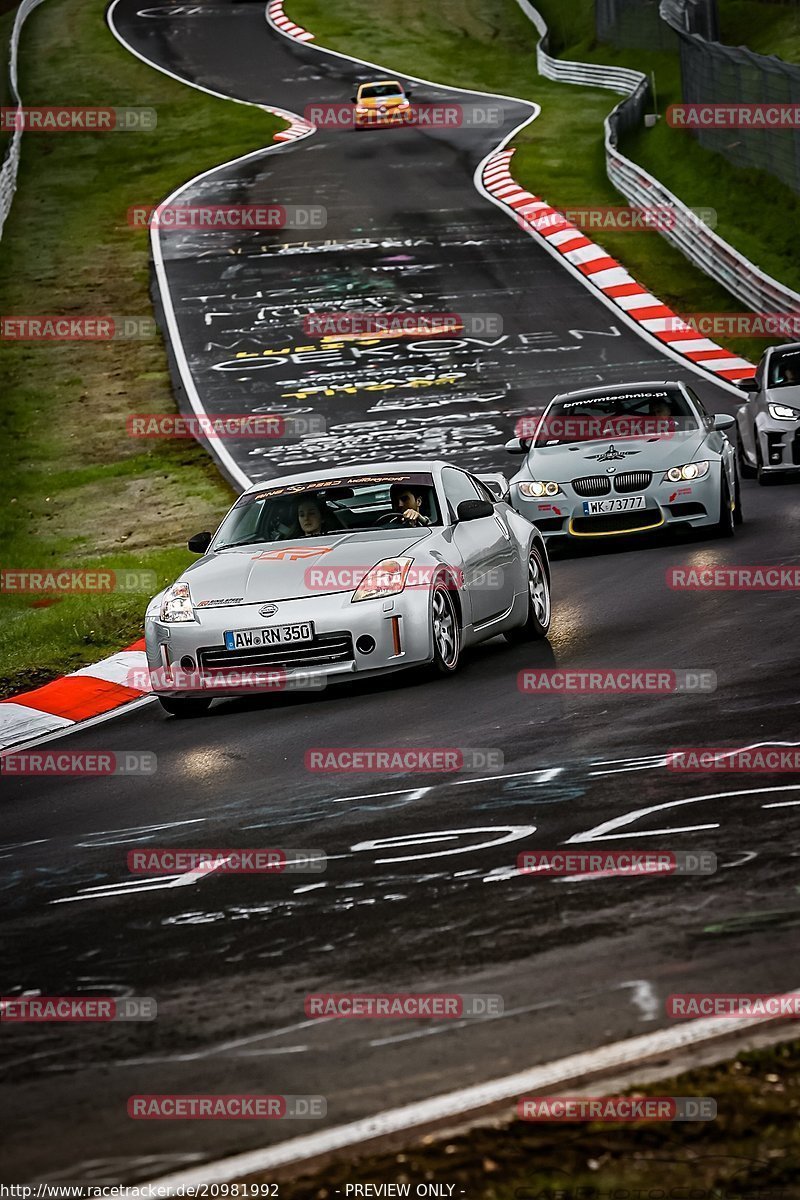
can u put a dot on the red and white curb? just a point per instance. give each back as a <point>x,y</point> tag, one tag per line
<point>278,16</point>
<point>607,275</point>
<point>90,692</point>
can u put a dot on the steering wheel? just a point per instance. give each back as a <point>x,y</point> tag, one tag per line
<point>392,518</point>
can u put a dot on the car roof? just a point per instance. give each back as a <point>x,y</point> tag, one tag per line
<point>614,389</point>
<point>784,346</point>
<point>376,82</point>
<point>427,466</point>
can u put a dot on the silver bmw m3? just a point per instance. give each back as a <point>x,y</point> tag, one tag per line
<point>624,459</point>
<point>333,574</point>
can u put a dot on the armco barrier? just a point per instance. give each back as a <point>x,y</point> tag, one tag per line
<point>8,171</point>
<point>697,242</point>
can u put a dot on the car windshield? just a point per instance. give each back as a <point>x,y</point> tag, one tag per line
<point>324,507</point>
<point>603,415</point>
<point>378,91</point>
<point>784,369</point>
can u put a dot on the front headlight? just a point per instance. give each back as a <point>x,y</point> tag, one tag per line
<point>684,474</point>
<point>177,604</point>
<point>362,108</point>
<point>386,578</point>
<point>538,488</point>
<point>782,412</point>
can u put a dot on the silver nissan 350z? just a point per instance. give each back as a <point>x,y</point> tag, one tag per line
<point>329,575</point>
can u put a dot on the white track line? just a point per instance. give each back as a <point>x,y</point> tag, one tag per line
<point>220,452</point>
<point>606,1060</point>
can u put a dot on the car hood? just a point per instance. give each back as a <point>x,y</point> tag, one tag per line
<point>280,570</point>
<point>638,454</point>
<point>382,101</point>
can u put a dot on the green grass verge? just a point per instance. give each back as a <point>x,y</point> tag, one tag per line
<point>75,490</point>
<point>765,28</point>
<point>490,45</point>
<point>750,1151</point>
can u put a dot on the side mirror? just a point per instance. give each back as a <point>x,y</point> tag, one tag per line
<point>518,445</point>
<point>199,543</point>
<point>473,510</point>
<point>747,385</point>
<point>723,421</point>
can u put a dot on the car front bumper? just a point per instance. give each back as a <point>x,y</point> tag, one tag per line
<point>694,503</point>
<point>779,443</point>
<point>378,120</point>
<point>190,658</point>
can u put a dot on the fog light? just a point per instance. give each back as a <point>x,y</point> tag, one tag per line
<point>187,663</point>
<point>365,644</point>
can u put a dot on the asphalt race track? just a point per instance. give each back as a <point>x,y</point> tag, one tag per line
<point>420,892</point>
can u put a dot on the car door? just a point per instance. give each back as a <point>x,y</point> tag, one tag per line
<point>486,548</point>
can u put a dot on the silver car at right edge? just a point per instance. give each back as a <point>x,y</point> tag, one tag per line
<point>768,424</point>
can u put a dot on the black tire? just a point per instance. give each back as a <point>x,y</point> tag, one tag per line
<point>724,527</point>
<point>183,708</point>
<point>738,514</point>
<point>745,470</point>
<point>537,623</point>
<point>445,629</point>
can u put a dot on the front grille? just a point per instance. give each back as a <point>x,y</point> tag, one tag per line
<point>617,522</point>
<point>323,651</point>
<point>592,485</point>
<point>632,481</point>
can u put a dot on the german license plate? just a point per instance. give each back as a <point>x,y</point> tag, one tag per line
<point>618,504</point>
<point>269,635</point>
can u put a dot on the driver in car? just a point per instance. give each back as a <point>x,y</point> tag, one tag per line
<point>407,504</point>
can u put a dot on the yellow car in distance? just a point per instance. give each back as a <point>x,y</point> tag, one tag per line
<point>381,102</point>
